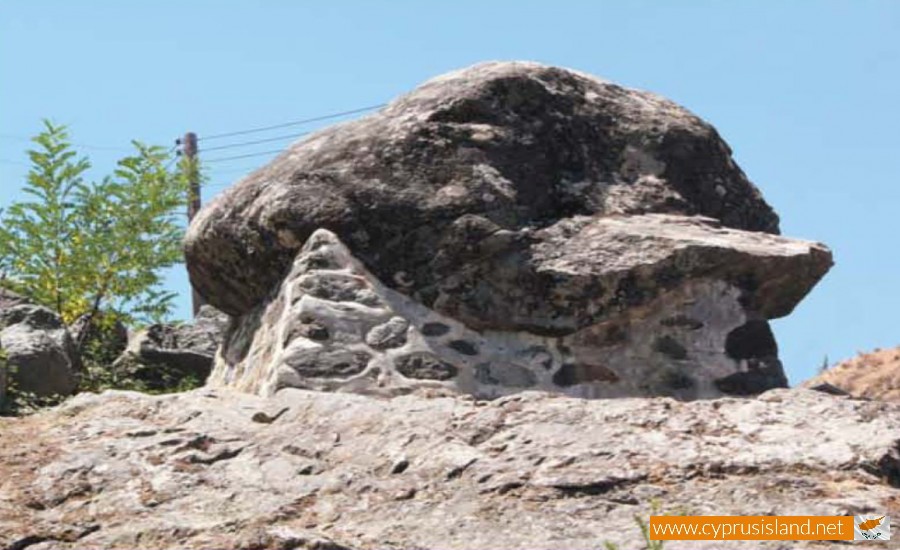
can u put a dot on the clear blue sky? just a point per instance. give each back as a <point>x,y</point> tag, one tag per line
<point>806,92</point>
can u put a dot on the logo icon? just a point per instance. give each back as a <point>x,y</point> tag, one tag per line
<point>871,527</point>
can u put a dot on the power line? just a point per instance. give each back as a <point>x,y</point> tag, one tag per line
<point>74,144</point>
<point>229,176</point>
<point>256,142</point>
<point>244,170</point>
<point>219,185</point>
<point>260,153</point>
<point>294,123</point>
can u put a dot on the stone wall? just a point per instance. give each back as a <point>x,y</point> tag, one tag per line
<point>333,326</point>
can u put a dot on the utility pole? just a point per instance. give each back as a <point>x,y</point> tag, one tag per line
<point>189,144</point>
<point>189,150</point>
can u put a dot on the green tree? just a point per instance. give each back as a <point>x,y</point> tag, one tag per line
<point>95,249</point>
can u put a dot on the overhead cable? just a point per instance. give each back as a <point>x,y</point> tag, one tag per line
<point>255,142</point>
<point>73,144</point>
<point>294,123</point>
<point>260,153</point>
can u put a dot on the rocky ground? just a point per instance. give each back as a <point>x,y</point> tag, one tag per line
<point>217,469</point>
<point>873,375</point>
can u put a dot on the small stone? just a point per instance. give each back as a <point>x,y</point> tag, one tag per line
<point>435,329</point>
<point>571,374</point>
<point>337,287</point>
<point>391,334</point>
<point>307,328</point>
<point>425,366</point>
<point>670,347</point>
<point>322,362</point>
<point>507,375</point>
<point>464,347</point>
<point>400,466</point>
<point>317,331</point>
<point>405,494</point>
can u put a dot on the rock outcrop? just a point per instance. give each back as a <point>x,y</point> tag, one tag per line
<point>40,353</point>
<point>504,227</point>
<point>874,375</point>
<point>8,299</point>
<point>162,356</point>
<point>334,326</point>
<point>317,470</point>
<point>481,157</point>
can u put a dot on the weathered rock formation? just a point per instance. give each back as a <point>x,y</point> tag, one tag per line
<point>504,227</point>
<point>163,355</point>
<point>317,470</point>
<point>40,354</point>
<point>333,325</point>
<point>874,375</point>
<point>500,147</point>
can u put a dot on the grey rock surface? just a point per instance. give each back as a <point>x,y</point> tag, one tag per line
<point>39,350</point>
<point>510,225</point>
<point>683,328</point>
<point>599,267</point>
<point>8,299</point>
<point>471,163</point>
<point>221,469</point>
<point>162,354</point>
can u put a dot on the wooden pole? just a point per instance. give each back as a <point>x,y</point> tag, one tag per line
<point>189,149</point>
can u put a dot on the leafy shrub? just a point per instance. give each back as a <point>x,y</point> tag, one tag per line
<point>95,249</point>
<point>95,252</point>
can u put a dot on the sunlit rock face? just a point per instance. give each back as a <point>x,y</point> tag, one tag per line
<point>506,227</point>
<point>314,470</point>
<point>39,355</point>
<point>333,326</point>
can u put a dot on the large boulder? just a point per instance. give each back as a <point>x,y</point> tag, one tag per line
<point>40,353</point>
<point>499,147</point>
<point>167,356</point>
<point>8,299</point>
<point>526,207</point>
